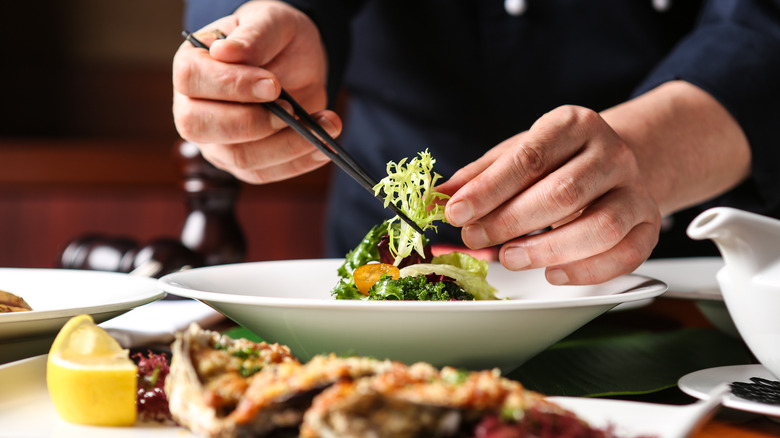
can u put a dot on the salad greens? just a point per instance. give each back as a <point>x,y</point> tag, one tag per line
<point>466,271</point>
<point>454,276</point>
<point>367,251</point>
<point>417,289</point>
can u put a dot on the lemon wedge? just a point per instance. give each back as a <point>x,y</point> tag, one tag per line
<point>91,378</point>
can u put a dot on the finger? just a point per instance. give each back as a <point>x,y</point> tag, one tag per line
<point>552,201</point>
<point>281,39</point>
<point>212,121</point>
<point>256,38</point>
<point>282,171</point>
<point>471,170</point>
<point>550,142</point>
<point>622,259</point>
<point>196,74</point>
<point>602,226</point>
<point>282,147</point>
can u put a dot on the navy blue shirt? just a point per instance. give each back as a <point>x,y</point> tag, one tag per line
<point>456,77</point>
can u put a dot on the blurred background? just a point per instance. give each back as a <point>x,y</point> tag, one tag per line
<point>88,145</point>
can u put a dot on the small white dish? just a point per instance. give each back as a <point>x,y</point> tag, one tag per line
<point>289,302</point>
<point>699,383</point>
<point>678,421</point>
<point>56,295</point>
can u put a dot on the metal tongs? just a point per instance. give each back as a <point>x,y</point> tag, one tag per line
<point>309,129</point>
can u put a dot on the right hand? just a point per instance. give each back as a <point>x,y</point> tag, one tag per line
<point>270,45</point>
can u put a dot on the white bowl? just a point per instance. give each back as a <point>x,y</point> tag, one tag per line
<point>289,302</point>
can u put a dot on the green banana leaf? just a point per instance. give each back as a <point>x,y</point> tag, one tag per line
<point>628,363</point>
<point>599,363</point>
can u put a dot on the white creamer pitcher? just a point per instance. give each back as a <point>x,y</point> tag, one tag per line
<point>750,279</point>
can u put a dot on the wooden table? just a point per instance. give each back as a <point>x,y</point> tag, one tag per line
<point>756,428</point>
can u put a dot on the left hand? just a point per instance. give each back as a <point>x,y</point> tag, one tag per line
<point>573,172</point>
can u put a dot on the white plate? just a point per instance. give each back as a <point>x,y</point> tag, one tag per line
<point>289,302</point>
<point>687,278</point>
<point>699,383</point>
<point>628,418</point>
<point>56,295</point>
<point>26,411</point>
<point>694,278</point>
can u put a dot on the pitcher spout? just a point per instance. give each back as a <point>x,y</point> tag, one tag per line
<point>747,241</point>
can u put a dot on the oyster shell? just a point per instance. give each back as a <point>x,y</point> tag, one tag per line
<point>223,387</point>
<point>416,401</point>
<point>12,303</point>
<point>210,373</point>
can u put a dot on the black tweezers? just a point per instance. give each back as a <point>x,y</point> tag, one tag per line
<point>307,127</point>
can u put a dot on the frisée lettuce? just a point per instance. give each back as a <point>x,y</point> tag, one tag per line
<point>410,187</point>
<point>455,276</point>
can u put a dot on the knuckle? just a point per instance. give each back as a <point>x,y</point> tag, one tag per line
<point>239,156</point>
<point>501,228</point>
<point>529,160</point>
<point>565,195</point>
<point>610,228</point>
<point>231,85</point>
<point>183,75</point>
<point>633,256</point>
<point>186,123</point>
<point>547,252</point>
<point>576,118</point>
<point>568,115</point>
<point>255,177</point>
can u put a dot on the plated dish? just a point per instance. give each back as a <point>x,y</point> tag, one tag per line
<point>289,302</point>
<point>56,295</point>
<point>699,383</point>
<point>694,278</point>
<point>687,278</point>
<point>26,411</point>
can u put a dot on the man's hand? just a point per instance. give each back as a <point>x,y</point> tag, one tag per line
<point>572,171</point>
<point>269,46</point>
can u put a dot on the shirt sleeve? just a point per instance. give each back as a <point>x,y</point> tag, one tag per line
<point>199,13</point>
<point>734,54</point>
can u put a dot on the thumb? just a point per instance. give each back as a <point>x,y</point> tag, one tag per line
<point>261,32</point>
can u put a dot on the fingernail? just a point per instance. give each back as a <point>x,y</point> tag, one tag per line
<point>557,277</point>
<point>277,123</point>
<point>264,89</point>
<point>474,236</point>
<point>327,125</point>
<point>319,156</point>
<point>516,258</point>
<point>459,213</point>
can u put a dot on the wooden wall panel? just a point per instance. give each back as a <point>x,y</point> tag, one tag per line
<point>87,138</point>
<point>36,225</point>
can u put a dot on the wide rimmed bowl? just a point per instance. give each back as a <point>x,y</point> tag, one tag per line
<point>289,302</point>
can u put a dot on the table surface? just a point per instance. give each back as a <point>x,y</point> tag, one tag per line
<point>670,314</point>
<point>667,313</point>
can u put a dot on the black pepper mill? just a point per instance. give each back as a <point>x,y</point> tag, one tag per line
<point>211,228</point>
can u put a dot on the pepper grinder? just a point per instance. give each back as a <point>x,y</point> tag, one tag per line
<point>211,228</point>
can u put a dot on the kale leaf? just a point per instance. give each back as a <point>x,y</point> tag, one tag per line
<point>365,252</point>
<point>417,289</point>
